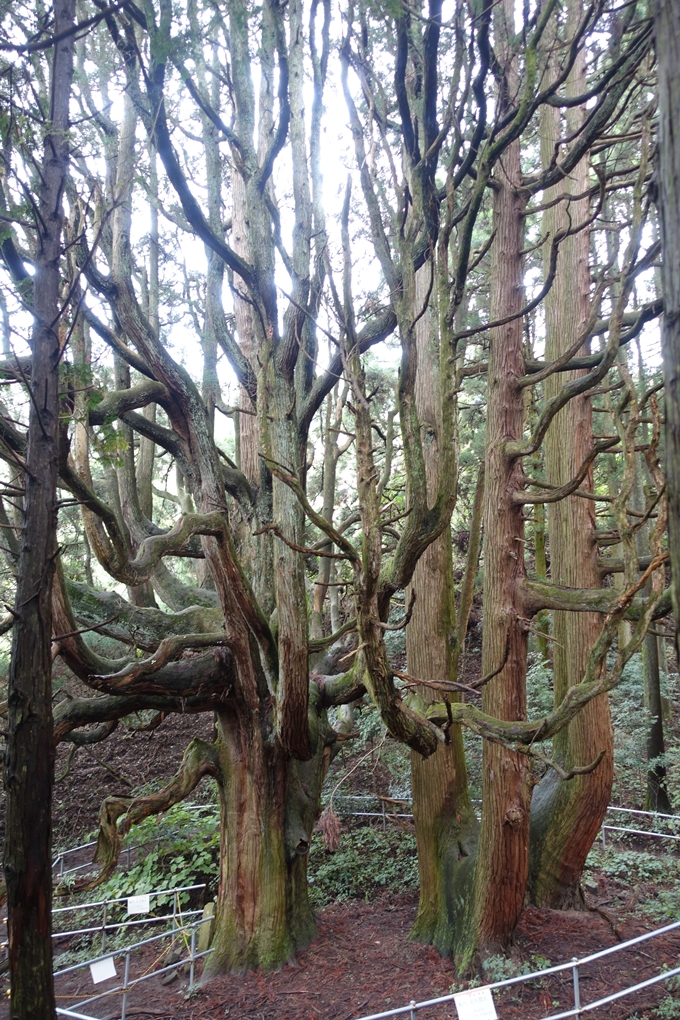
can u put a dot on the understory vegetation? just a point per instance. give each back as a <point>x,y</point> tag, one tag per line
<point>181,846</point>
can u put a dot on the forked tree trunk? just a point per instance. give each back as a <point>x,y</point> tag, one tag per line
<point>566,816</point>
<point>29,761</point>
<point>501,866</point>
<point>269,804</point>
<point>446,826</point>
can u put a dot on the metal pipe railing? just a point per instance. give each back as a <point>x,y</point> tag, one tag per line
<point>639,811</point>
<point>124,899</point>
<point>635,832</point>
<point>574,966</point>
<point>382,814</point>
<point>122,924</point>
<point>106,926</point>
<point>129,984</point>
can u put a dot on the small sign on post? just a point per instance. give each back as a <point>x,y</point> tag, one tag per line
<point>139,904</point>
<point>475,1004</point>
<point>102,970</point>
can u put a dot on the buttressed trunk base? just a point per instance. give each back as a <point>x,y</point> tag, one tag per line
<point>269,804</point>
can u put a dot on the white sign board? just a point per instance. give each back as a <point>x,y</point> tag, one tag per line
<point>102,970</point>
<point>475,1004</point>
<point>139,904</point>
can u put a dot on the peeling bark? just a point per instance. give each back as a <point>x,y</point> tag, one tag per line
<point>566,817</point>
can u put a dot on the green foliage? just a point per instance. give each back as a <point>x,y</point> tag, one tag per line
<point>180,848</point>
<point>501,968</point>
<point>665,907</point>
<point>630,866</point>
<point>669,1008</point>
<point>631,719</point>
<point>366,861</point>
<point>539,687</point>
<point>368,723</point>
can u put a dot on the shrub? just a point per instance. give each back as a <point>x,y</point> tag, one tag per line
<point>179,848</point>
<point>367,860</point>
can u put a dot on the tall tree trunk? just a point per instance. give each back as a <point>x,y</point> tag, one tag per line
<point>656,798</point>
<point>335,403</point>
<point>269,804</point>
<point>246,421</point>
<point>501,867</point>
<point>145,462</point>
<point>29,761</point>
<point>566,817</point>
<point>542,573</point>
<point>667,29</point>
<point>446,826</point>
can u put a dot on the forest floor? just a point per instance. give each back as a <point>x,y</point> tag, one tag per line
<point>362,960</point>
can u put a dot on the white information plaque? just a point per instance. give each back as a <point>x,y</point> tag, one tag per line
<point>102,970</point>
<point>475,1004</point>
<point>139,904</point>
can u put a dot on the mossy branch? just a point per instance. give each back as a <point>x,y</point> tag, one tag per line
<point>200,759</point>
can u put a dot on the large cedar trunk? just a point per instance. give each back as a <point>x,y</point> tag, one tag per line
<point>446,826</point>
<point>501,866</point>
<point>667,32</point>
<point>29,759</point>
<point>566,817</point>
<point>269,804</point>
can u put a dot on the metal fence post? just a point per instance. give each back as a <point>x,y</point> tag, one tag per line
<point>125,986</point>
<point>577,989</point>
<point>104,918</point>
<point>382,802</point>
<point>412,1004</point>
<point>192,966</point>
<point>604,841</point>
<point>175,901</point>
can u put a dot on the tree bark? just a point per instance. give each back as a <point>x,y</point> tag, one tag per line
<point>501,867</point>
<point>667,31</point>
<point>566,817</point>
<point>446,826</point>
<point>656,798</point>
<point>269,804</point>
<point>29,761</point>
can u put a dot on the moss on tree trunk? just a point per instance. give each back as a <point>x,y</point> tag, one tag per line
<point>269,804</point>
<point>446,826</point>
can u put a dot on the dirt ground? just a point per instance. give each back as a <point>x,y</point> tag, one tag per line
<point>362,962</point>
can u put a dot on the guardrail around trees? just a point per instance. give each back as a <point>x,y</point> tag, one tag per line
<point>102,968</point>
<point>476,999</point>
